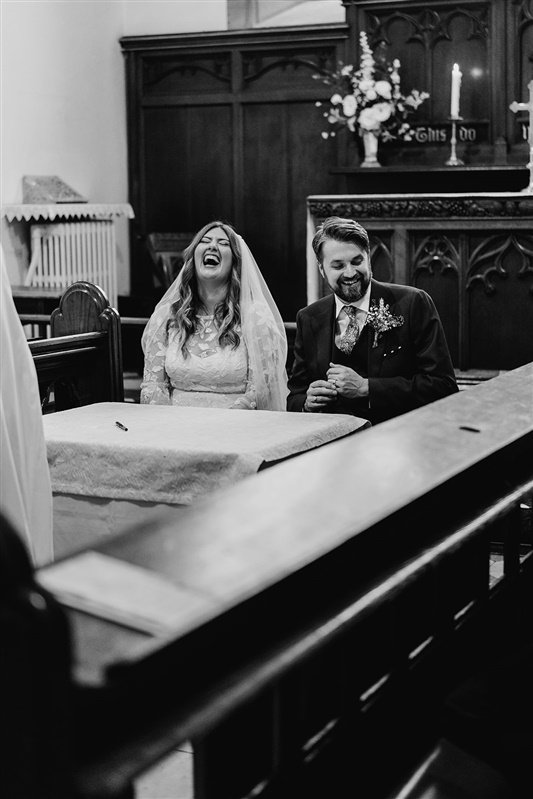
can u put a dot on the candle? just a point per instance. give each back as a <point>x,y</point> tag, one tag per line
<point>456,89</point>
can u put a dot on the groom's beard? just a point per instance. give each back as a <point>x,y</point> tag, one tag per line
<point>352,290</point>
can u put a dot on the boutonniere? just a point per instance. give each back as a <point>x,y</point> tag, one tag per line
<point>380,319</point>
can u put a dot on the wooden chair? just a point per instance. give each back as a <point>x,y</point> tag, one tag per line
<point>166,252</point>
<point>82,362</point>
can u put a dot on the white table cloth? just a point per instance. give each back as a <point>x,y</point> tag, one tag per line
<point>171,454</point>
<point>168,455</point>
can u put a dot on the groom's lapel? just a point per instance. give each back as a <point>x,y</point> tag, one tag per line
<point>322,324</point>
<point>375,354</point>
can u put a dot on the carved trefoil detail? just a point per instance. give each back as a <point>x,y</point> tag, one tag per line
<point>487,262</point>
<point>436,253</point>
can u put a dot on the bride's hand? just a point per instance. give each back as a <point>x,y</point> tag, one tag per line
<point>243,404</point>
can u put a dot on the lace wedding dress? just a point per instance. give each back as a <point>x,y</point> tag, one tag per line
<point>210,376</point>
<point>251,376</point>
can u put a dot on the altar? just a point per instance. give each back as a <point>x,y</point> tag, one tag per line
<point>472,252</point>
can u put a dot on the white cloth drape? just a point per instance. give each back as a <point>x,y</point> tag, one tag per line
<point>25,490</point>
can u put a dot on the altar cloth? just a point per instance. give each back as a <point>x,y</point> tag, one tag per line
<point>175,454</point>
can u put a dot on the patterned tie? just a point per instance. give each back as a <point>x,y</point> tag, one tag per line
<point>351,334</point>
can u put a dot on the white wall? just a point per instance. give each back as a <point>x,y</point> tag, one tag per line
<point>174,16</point>
<point>63,106</point>
<point>63,103</point>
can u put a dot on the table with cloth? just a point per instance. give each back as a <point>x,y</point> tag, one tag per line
<point>106,479</point>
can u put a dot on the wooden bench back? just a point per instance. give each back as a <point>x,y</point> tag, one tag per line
<point>82,362</point>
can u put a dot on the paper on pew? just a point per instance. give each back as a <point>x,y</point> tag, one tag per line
<point>121,592</point>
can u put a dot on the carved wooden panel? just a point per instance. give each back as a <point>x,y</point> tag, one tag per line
<point>435,267</point>
<point>499,285</point>
<point>288,69</point>
<point>187,75</point>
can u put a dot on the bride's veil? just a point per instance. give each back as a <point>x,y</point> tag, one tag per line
<point>264,335</point>
<point>262,330</point>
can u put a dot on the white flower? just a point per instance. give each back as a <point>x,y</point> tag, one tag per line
<point>349,105</point>
<point>336,99</point>
<point>367,119</point>
<point>347,70</point>
<point>383,88</point>
<point>365,86</point>
<point>382,111</point>
<point>416,98</point>
<point>324,135</point>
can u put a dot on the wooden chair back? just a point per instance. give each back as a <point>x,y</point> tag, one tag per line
<point>82,361</point>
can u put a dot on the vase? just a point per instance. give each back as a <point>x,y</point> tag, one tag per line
<point>370,144</point>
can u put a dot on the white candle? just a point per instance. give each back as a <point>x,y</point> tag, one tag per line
<point>456,90</point>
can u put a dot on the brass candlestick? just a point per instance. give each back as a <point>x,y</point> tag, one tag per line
<point>453,160</point>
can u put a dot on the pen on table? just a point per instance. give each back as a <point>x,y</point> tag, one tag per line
<point>122,427</point>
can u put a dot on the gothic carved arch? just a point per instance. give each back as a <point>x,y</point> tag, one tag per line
<point>429,26</point>
<point>487,262</point>
<point>436,253</point>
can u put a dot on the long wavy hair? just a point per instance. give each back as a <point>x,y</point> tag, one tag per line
<point>227,313</point>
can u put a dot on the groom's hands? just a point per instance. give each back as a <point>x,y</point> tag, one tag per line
<point>319,395</point>
<point>348,382</point>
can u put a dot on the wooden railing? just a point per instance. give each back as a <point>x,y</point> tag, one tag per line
<point>327,608</point>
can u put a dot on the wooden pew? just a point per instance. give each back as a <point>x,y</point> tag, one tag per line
<point>327,607</point>
<point>82,361</point>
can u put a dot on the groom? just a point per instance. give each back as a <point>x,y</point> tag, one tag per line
<point>374,350</point>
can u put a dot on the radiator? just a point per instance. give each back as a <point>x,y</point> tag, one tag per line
<point>64,252</point>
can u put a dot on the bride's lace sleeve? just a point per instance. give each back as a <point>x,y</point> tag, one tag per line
<point>248,401</point>
<point>155,387</point>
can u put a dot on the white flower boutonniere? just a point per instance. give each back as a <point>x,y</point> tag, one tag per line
<point>380,319</point>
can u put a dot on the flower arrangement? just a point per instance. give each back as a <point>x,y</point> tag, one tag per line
<point>380,319</point>
<point>370,98</point>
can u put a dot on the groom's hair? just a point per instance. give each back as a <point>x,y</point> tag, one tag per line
<point>335,227</point>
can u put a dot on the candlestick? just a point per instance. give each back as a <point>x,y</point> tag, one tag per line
<point>453,160</point>
<point>456,90</point>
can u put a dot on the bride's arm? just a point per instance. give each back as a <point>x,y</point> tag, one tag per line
<point>247,402</point>
<point>155,387</point>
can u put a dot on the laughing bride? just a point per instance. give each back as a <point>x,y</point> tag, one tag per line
<point>216,338</point>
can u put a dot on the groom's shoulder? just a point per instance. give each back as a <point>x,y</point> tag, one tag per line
<point>317,307</point>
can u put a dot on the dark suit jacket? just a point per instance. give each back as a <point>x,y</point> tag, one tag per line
<point>410,366</point>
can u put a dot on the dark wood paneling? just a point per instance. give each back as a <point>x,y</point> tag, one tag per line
<point>242,145</point>
<point>188,167</point>
<point>283,153</point>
